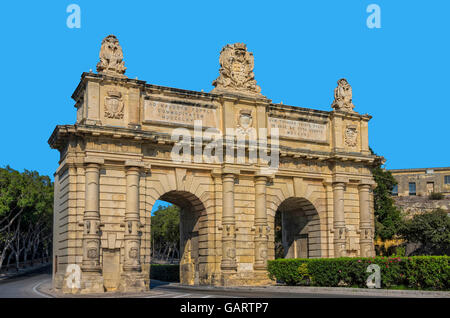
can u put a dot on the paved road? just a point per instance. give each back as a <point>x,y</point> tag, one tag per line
<point>27,286</point>
<point>165,291</point>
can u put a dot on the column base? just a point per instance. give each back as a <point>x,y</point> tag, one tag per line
<point>340,248</point>
<point>255,278</point>
<point>367,249</point>
<point>228,266</point>
<point>91,283</point>
<point>132,282</point>
<point>260,267</point>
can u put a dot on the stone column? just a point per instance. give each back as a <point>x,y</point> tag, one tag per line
<point>365,224</point>
<point>132,277</point>
<point>228,224</point>
<point>92,279</point>
<point>339,228</point>
<point>261,228</point>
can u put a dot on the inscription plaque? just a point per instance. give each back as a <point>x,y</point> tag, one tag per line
<point>300,130</point>
<point>167,113</point>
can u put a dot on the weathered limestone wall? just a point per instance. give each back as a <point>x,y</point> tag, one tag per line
<point>413,205</point>
<point>116,162</point>
<point>427,180</point>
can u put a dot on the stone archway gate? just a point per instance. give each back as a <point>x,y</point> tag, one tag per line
<point>116,161</point>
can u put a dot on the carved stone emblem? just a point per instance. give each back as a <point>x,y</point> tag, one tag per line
<point>245,121</point>
<point>263,254</point>
<point>343,96</point>
<point>231,253</point>
<point>133,253</point>
<point>92,253</point>
<point>114,105</point>
<point>236,70</point>
<point>351,135</point>
<point>111,58</point>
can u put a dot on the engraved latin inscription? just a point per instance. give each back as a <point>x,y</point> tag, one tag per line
<point>180,114</point>
<point>299,129</point>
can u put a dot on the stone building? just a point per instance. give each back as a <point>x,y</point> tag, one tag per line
<point>313,167</point>
<point>412,193</point>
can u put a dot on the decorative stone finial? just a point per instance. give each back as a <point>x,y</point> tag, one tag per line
<point>111,58</point>
<point>236,71</point>
<point>343,96</point>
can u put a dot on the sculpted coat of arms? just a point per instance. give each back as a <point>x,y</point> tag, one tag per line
<point>351,135</point>
<point>236,70</point>
<point>114,105</point>
<point>245,122</point>
<point>343,96</point>
<point>111,58</point>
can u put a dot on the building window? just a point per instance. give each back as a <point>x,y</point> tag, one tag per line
<point>412,188</point>
<point>447,179</point>
<point>395,190</point>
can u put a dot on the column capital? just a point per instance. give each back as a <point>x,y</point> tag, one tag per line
<point>339,179</point>
<point>220,172</point>
<point>134,163</point>
<point>261,178</point>
<point>268,176</point>
<point>230,170</point>
<point>367,183</point>
<point>94,160</point>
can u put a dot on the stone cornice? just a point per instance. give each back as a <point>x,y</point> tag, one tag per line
<point>349,115</point>
<point>59,139</point>
<point>85,77</point>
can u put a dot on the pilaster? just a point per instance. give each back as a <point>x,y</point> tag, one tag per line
<point>92,279</point>
<point>339,228</point>
<point>132,278</point>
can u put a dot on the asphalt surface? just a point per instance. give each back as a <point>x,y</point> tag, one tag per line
<point>25,285</point>
<point>38,285</point>
<point>30,286</point>
<point>193,292</point>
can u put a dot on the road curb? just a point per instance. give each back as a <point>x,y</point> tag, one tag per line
<point>320,290</point>
<point>271,289</point>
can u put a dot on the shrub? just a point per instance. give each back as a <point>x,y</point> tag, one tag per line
<point>431,230</point>
<point>166,273</point>
<point>420,272</point>
<point>436,196</point>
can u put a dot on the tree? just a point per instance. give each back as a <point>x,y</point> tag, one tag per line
<point>26,207</point>
<point>431,230</point>
<point>388,219</point>
<point>166,233</point>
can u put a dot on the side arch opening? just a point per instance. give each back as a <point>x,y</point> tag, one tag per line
<point>297,229</point>
<point>190,210</point>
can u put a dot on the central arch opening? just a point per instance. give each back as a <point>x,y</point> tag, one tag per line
<point>297,229</point>
<point>188,208</point>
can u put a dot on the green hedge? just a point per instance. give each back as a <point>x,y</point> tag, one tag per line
<point>418,272</point>
<point>166,273</point>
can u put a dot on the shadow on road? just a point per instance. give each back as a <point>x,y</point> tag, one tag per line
<point>32,272</point>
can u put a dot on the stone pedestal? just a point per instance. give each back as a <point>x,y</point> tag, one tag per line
<point>132,282</point>
<point>92,283</point>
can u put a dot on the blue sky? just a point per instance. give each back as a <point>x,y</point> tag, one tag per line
<point>399,73</point>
